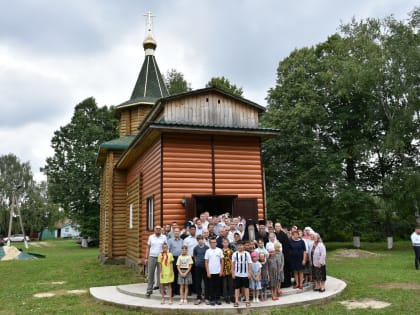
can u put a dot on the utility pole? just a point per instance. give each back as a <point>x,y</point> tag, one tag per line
<point>12,211</point>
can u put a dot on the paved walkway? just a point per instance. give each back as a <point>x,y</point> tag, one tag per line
<point>133,296</point>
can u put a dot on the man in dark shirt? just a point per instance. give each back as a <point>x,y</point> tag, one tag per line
<point>212,234</point>
<point>262,232</point>
<point>200,270</point>
<point>223,231</point>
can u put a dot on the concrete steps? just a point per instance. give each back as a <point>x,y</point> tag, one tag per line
<point>134,296</point>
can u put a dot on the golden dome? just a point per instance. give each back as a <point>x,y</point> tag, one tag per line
<point>149,43</point>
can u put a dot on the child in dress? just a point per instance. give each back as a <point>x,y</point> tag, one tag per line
<point>280,257</point>
<point>273,269</point>
<point>166,269</point>
<point>184,265</point>
<point>255,281</point>
<point>264,276</point>
<point>227,281</point>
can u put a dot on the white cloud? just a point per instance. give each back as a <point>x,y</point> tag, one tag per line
<point>55,54</point>
<point>28,143</point>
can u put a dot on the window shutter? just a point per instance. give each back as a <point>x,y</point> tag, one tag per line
<point>190,211</point>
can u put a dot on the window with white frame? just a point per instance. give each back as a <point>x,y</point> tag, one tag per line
<point>130,222</point>
<point>150,213</point>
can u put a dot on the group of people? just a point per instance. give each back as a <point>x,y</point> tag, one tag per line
<point>231,259</point>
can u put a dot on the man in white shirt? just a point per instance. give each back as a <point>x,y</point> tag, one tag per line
<point>214,262</point>
<point>191,241</point>
<point>204,220</point>
<point>199,227</point>
<point>232,231</point>
<point>154,248</point>
<point>206,237</point>
<point>415,240</point>
<point>241,229</point>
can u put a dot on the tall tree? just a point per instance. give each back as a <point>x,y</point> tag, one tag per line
<point>13,174</point>
<point>348,114</point>
<point>39,212</point>
<point>176,83</point>
<point>73,177</point>
<point>224,84</point>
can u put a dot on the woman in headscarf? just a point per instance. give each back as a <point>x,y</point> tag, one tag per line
<point>318,254</point>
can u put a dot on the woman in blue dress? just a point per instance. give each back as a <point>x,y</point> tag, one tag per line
<point>297,258</point>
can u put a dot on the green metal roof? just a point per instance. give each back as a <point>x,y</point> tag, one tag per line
<point>150,85</point>
<point>117,144</point>
<point>215,127</point>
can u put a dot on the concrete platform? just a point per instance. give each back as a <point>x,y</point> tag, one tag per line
<point>134,296</point>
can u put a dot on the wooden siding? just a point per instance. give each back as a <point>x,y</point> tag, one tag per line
<point>134,199</point>
<point>187,170</point>
<point>131,118</point>
<point>238,168</point>
<point>211,109</point>
<point>112,238</point>
<point>125,123</point>
<point>119,214</point>
<point>146,175</point>
<point>105,206</point>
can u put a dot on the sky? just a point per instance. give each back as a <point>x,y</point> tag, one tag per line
<point>54,54</point>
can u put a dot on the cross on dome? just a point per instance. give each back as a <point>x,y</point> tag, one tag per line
<point>149,21</point>
<point>149,43</point>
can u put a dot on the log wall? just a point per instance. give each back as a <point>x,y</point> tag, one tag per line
<point>146,175</point>
<point>134,201</point>
<point>187,170</point>
<point>112,209</point>
<point>119,215</point>
<point>131,117</point>
<point>105,207</point>
<point>238,169</point>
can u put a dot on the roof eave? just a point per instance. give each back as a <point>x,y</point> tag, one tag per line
<point>262,133</point>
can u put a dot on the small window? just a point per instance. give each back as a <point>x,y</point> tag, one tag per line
<point>130,223</point>
<point>67,229</point>
<point>150,213</point>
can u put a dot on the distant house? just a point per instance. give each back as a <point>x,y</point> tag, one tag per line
<point>64,229</point>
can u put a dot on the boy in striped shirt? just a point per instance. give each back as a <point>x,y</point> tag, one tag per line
<point>241,272</point>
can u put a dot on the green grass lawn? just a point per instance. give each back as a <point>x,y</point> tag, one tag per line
<point>388,277</point>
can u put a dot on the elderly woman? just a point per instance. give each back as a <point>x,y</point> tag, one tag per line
<point>318,254</point>
<point>298,258</point>
<point>271,240</point>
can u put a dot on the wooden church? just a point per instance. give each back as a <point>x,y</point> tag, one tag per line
<point>177,156</point>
